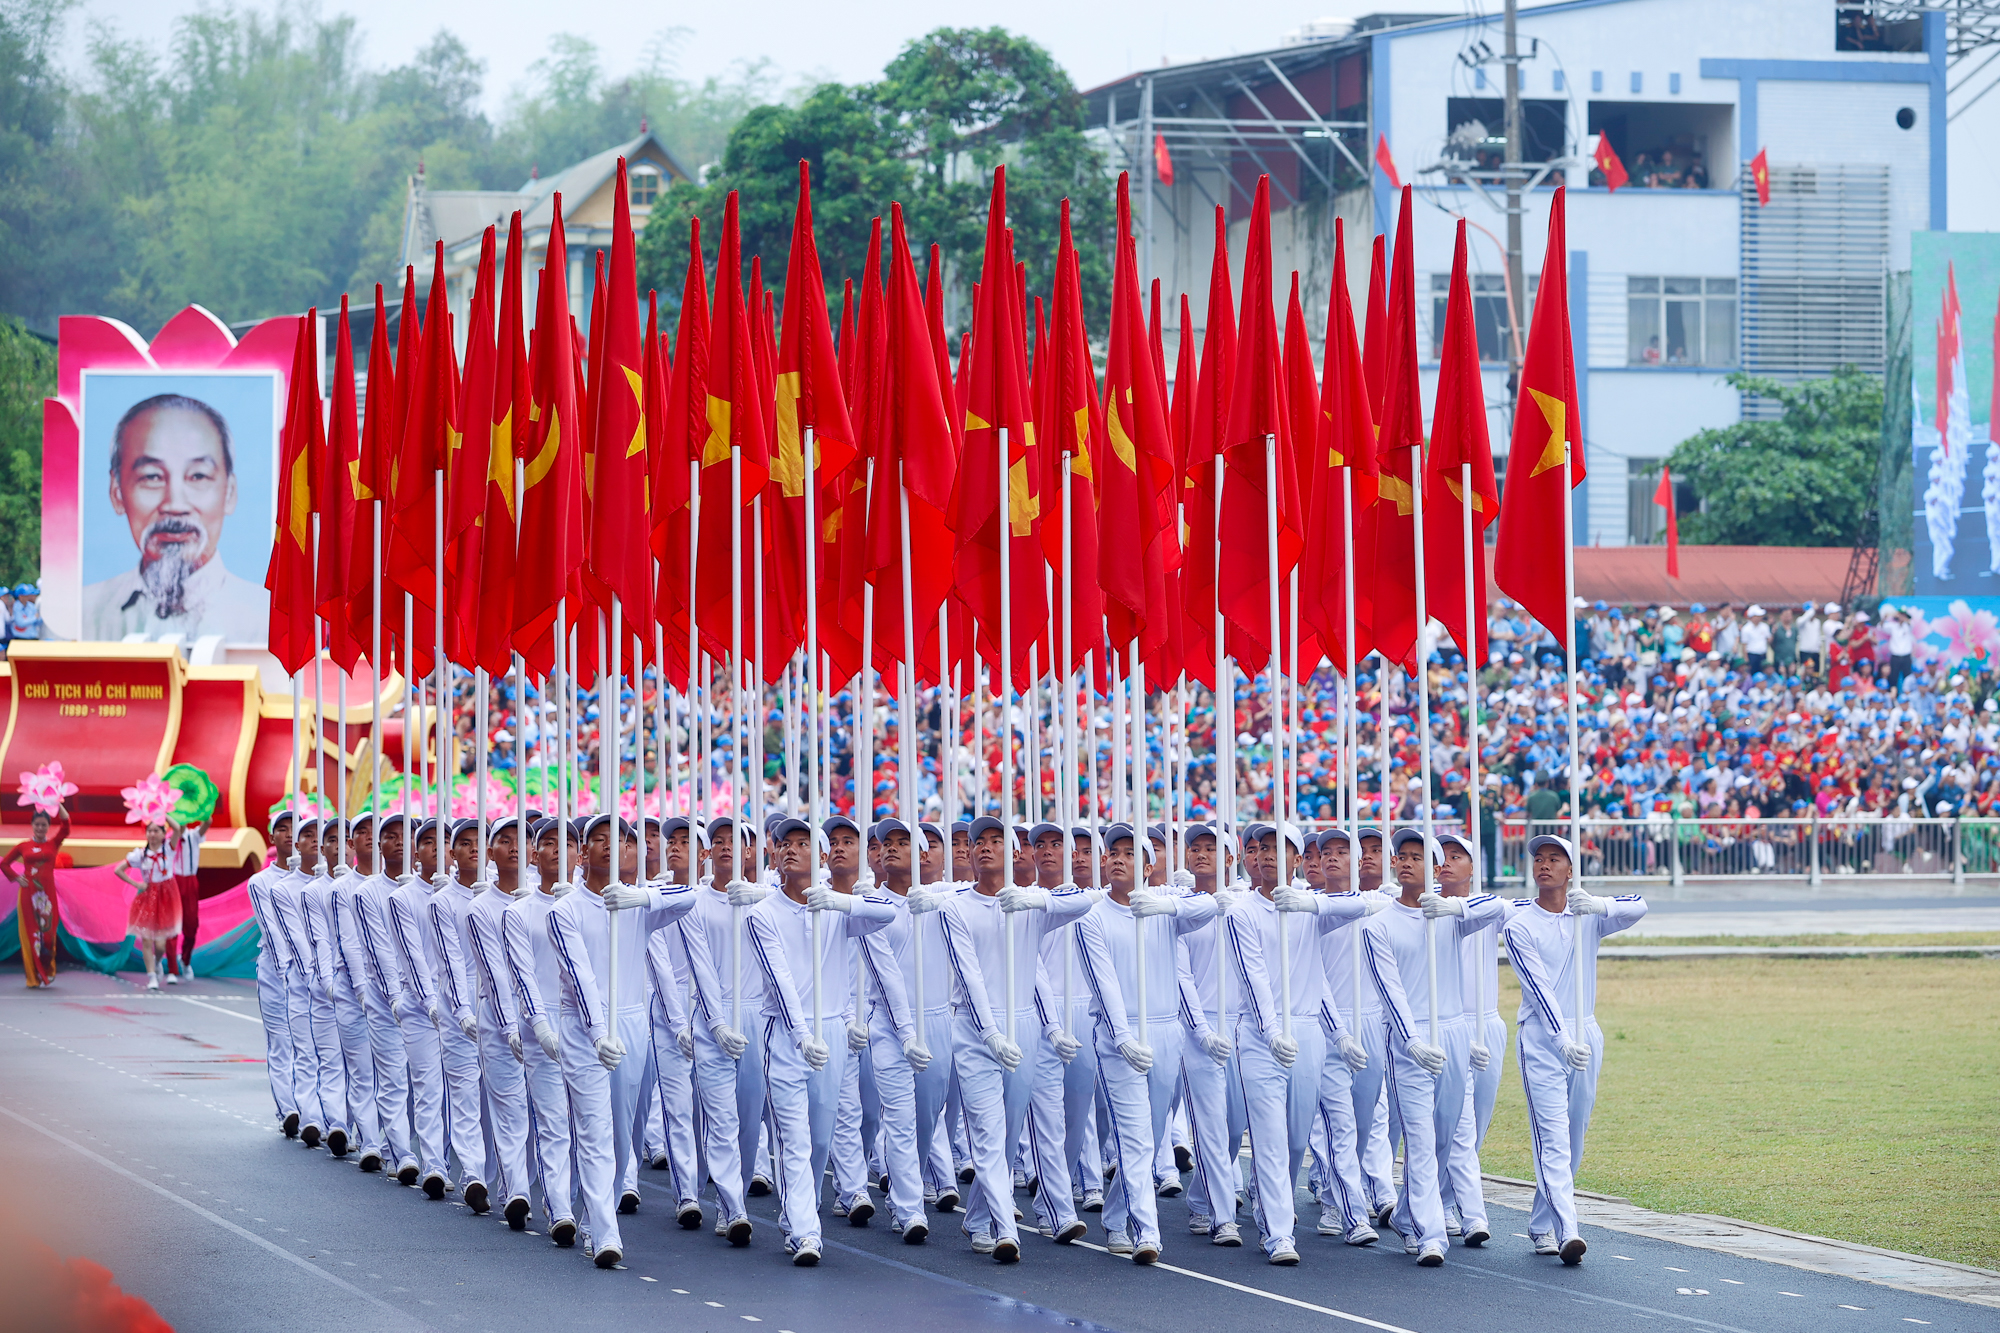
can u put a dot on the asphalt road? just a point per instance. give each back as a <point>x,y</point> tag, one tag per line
<point>137,1130</point>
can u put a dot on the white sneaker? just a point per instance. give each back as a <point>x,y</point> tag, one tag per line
<point>807,1254</point>
<point>1330,1223</point>
<point>840,1208</point>
<point>1410,1245</point>
<point>1199,1224</point>
<point>1227,1236</point>
<point>983,1243</point>
<point>1452,1225</point>
<point>1363,1234</point>
<point>152,982</point>
<point>1093,1202</point>
<point>1118,1242</point>
<point>173,978</point>
<point>1020,1179</point>
<point>1147,1252</point>
<point>1168,1187</point>
<point>1286,1255</point>
<point>1432,1257</point>
<point>1544,1242</point>
<point>1476,1235</point>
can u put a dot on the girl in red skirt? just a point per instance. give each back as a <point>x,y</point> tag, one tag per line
<point>156,909</point>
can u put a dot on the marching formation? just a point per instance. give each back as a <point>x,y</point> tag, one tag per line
<point>1017,1018</point>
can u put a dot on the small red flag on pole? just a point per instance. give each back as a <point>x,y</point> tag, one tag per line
<point>1606,158</point>
<point>1760,172</point>
<point>1664,496</point>
<point>1163,161</point>
<point>1386,162</point>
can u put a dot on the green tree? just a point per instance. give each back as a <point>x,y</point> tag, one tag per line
<point>1805,479</point>
<point>27,375</point>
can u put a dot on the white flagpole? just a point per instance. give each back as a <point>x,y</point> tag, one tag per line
<point>1224,699</point>
<point>1472,792</point>
<point>736,730</point>
<point>1004,532</point>
<point>1569,687</point>
<point>754,739</point>
<point>815,789</point>
<point>479,759</point>
<point>375,678</point>
<point>1067,674</point>
<point>1277,723</point>
<point>610,777</point>
<point>1136,673</point>
<point>520,691</point>
<point>1350,721</point>
<point>446,714</point>
<point>906,784</point>
<point>559,686</point>
<point>697,686</point>
<point>1424,725</point>
<point>412,706</point>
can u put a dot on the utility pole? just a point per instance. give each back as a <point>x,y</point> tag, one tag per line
<point>1516,172</point>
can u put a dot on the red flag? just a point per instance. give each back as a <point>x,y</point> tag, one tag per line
<point>914,457</point>
<point>294,631</point>
<point>735,431</point>
<point>846,532</point>
<point>620,560</point>
<point>1069,403</point>
<point>1192,655</point>
<point>467,467</point>
<point>1375,328</point>
<point>505,418</point>
<point>1138,466</point>
<point>1606,158</point>
<point>1257,410</point>
<point>682,430</point>
<point>1663,495</point>
<point>1207,418</point>
<point>1343,477</point>
<point>1458,442</point>
<point>1760,172</point>
<point>667,483</point>
<point>1530,557</point>
<point>1392,606</point>
<point>430,433</point>
<point>368,475</point>
<point>552,498</point>
<point>1163,161</point>
<point>810,393</point>
<point>1386,162</point>
<point>336,499</point>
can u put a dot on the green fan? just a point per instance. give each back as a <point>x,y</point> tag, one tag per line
<point>199,793</point>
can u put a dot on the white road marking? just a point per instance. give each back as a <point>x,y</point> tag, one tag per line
<point>248,1018</point>
<point>1732,1282</point>
<point>1267,1295</point>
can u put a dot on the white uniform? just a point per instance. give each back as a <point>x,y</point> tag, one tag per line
<point>382,998</point>
<point>673,955</point>
<point>1062,1114</point>
<point>995,1102</point>
<point>803,1102</point>
<point>605,1102</point>
<point>531,966</point>
<point>1212,1094</point>
<point>350,991</point>
<point>1283,1103</point>
<point>1115,947</point>
<point>317,929</point>
<point>1479,975</point>
<point>1342,1142</point>
<point>1541,947</point>
<point>273,964</point>
<point>910,1102</point>
<point>459,1054</point>
<point>729,1093</point>
<point>408,904</point>
<point>1428,1105</point>
<point>503,1075</point>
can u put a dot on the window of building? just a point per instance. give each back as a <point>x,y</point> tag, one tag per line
<point>645,186</point>
<point>1860,25</point>
<point>1680,321</point>
<point>1489,313</point>
<point>1544,130</point>
<point>1665,145</point>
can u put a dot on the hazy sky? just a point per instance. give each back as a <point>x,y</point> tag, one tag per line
<point>845,42</point>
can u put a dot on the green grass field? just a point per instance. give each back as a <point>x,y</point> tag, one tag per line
<point>1959,937</point>
<point>1857,1098</point>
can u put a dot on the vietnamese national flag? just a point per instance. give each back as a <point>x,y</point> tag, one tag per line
<point>1375,328</point>
<point>368,476</point>
<point>1392,603</point>
<point>294,638</point>
<point>1137,468</point>
<point>735,456</point>
<point>1663,495</point>
<point>505,418</point>
<point>1302,414</point>
<point>845,530</point>
<point>430,433</point>
<point>1459,441</point>
<point>620,560</point>
<point>1532,553</point>
<point>340,460</point>
<point>1207,419</point>
<point>1163,161</point>
<point>1257,411</point>
<point>1386,162</point>
<point>552,494</point>
<point>1069,403</point>
<point>1192,637</point>
<point>1342,478</point>
<point>1760,173</point>
<point>467,466</point>
<point>681,432</point>
<point>1606,158</point>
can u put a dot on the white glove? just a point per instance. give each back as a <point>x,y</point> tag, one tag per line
<point>1005,1051</point>
<point>469,1026</point>
<point>921,901</point>
<point>1065,1045</point>
<point>819,898</point>
<point>685,1040</point>
<point>1217,1046</point>
<point>562,888</point>
<point>1436,905</point>
<point>732,1042</point>
<point>1293,898</point>
<point>742,893</point>
<point>431,1012</point>
<point>1587,904</point>
<point>816,1053</point>
<point>1181,879</point>
<point>917,1054</point>
<point>1372,903</point>
<point>622,897</point>
<point>1019,898</point>
<point>1094,896</point>
<point>857,1038</point>
<point>1285,1049</point>
<point>1138,1056</point>
<point>1146,903</point>
<point>546,1035</point>
<point>1576,1056</point>
<point>1352,1051</point>
<point>610,1051</point>
<point>1430,1057</point>
<point>514,1045</point>
<point>1228,900</point>
<point>1481,1057</point>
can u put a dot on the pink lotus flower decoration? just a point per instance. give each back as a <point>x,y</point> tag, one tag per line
<point>465,800</point>
<point>45,788</point>
<point>1968,634</point>
<point>150,802</point>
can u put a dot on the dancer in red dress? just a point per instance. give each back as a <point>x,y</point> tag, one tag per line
<point>31,864</point>
<point>156,910</point>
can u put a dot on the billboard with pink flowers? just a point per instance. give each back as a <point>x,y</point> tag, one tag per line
<point>1955,320</point>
